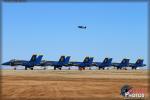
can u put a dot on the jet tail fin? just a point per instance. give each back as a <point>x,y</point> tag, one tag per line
<point>86,59</point>
<point>33,58</point>
<point>91,60</point>
<point>67,59</point>
<point>38,59</point>
<point>107,61</point>
<point>62,59</point>
<point>125,62</point>
<point>139,62</point>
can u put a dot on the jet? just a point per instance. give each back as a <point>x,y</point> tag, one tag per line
<point>82,27</point>
<point>124,63</point>
<point>138,63</point>
<point>34,61</point>
<point>107,62</point>
<point>87,62</point>
<point>63,61</point>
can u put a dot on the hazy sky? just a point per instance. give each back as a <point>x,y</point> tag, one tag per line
<point>117,30</point>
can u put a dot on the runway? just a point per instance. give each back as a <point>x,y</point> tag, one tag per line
<point>70,84</point>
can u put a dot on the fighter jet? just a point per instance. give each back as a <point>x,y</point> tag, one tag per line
<point>124,63</point>
<point>107,62</point>
<point>82,27</point>
<point>28,64</point>
<point>87,62</point>
<point>57,64</point>
<point>138,63</point>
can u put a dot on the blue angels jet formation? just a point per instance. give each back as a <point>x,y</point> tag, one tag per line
<point>36,60</point>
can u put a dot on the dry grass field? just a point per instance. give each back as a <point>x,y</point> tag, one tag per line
<point>69,84</point>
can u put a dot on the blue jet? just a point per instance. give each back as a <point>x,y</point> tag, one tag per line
<point>138,63</point>
<point>87,62</point>
<point>124,63</point>
<point>107,62</point>
<point>82,27</point>
<point>34,61</point>
<point>63,61</point>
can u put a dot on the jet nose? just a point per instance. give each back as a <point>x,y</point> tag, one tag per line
<point>6,63</point>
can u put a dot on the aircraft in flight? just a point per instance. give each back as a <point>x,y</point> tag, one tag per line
<point>124,63</point>
<point>82,27</point>
<point>138,63</point>
<point>34,61</point>
<point>63,61</point>
<point>87,62</point>
<point>107,62</point>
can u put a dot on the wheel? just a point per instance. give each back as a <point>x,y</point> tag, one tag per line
<point>31,68</point>
<point>99,68</point>
<point>54,68</point>
<point>59,68</point>
<point>44,68</point>
<point>83,68</point>
<point>14,68</point>
<point>103,68</point>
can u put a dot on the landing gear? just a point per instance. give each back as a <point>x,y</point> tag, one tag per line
<point>31,68</point>
<point>134,68</point>
<point>26,67</point>
<point>81,68</point>
<point>69,68</point>
<point>59,68</point>
<point>118,68</point>
<point>44,68</point>
<point>15,68</point>
<point>102,68</point>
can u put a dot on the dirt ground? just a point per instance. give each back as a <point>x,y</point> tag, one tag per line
<point>70,84</point>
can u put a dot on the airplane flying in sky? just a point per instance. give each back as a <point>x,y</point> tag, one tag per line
<point>63,61</point>
<point>124,63</point>
<point>107,62</point>
<point>138,63</point>
<point>82,27</point>
<point>87,62</point>
<point>34,61</point>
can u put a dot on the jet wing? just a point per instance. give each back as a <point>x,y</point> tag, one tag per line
<point>49,63</point>
<point>96,63</point>
<point>75,63</point>
<point>115,64</point>
<point>131,64</point>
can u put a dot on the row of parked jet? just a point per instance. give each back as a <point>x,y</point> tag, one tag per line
<point>65,61</point>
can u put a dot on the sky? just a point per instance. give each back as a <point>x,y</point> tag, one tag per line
<point>117,30</point>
